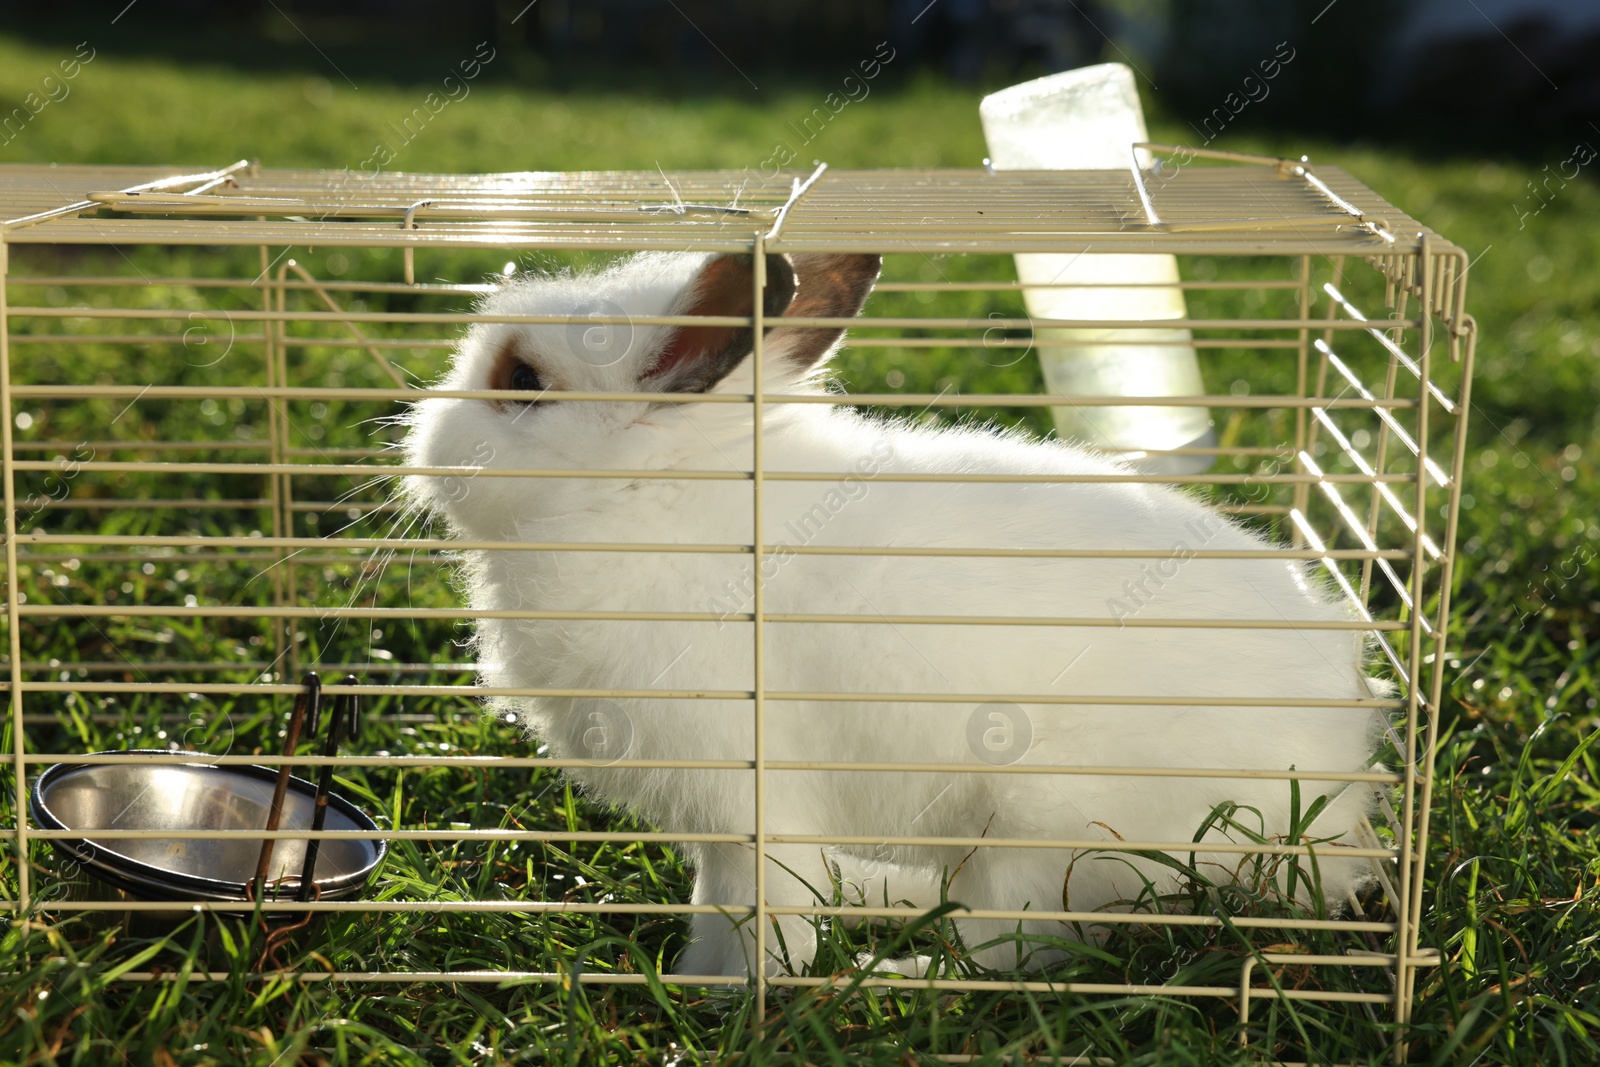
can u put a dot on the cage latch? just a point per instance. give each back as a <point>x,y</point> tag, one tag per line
<point>410,223</point>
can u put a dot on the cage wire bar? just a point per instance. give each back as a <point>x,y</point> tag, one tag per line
<point>1360,502</point>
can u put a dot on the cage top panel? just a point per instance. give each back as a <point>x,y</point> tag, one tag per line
<point>1232,209</point>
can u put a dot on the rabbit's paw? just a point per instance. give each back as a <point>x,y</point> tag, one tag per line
<point>904,967</point>
<point>715,953</point>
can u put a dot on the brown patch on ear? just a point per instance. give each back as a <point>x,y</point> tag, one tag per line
<point>830,286</point>
<point>695,358</point>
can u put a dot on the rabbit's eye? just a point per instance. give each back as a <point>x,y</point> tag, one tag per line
<point>512,372</point>
<point>524,379</point>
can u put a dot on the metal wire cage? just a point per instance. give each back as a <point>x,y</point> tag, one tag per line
<point>198,506</point>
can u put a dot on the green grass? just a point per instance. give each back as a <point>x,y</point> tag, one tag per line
<point>1514,867</point>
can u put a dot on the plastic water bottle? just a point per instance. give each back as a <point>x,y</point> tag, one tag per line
<point>1086,119</point>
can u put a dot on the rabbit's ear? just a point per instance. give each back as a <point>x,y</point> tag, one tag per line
<point>695,358</point>
<point>829,286</point>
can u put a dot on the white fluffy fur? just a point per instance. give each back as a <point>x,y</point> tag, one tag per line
<point>1108,660</point>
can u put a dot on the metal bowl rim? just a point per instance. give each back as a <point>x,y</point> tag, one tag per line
<point>148,878</point>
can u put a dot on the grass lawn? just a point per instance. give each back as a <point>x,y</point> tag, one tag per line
<point>1514,866</point>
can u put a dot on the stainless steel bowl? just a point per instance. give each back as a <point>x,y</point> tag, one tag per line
<point>197,796</point>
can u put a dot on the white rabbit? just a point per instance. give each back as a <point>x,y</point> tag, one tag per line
<point>869,656</point>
